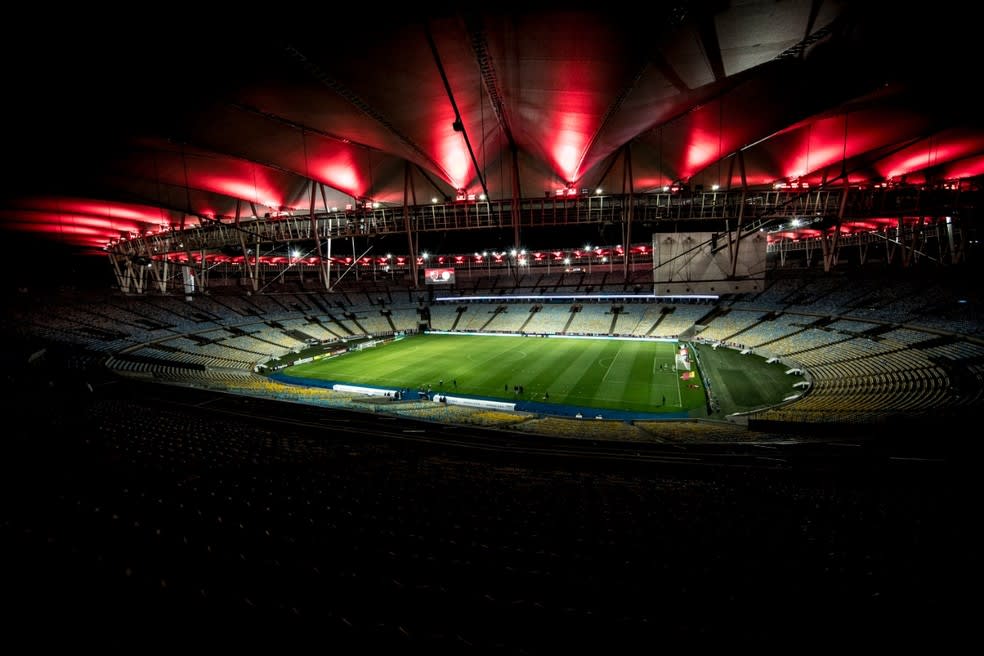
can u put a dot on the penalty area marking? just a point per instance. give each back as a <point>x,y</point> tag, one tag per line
<point>609,370</point>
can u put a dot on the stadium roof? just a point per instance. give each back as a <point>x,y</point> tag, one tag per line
<point>112,125</point>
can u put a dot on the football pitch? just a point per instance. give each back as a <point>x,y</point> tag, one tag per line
<point>629,375</point>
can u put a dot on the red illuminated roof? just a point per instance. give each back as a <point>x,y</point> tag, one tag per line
<point>112,129</point>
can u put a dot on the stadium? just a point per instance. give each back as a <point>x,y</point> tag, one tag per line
<point>518,331</point>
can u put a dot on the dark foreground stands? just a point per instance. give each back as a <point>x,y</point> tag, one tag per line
<point>142,518</point>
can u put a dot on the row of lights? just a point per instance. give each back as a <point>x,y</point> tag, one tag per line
<point>791,184</point>
<point>521,255</point>
<point>462,195</point>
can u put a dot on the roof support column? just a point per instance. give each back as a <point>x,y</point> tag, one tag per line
<point>407,187</point>
<point>891,245</point>
<point>324,261</point>
<point>831,244</point>
<point>903,238</point>
<point>164,267</point>
<point>158,269</point>
<point>317,239</point>
<point>734,242</point>
<point>203,271</point>
<point>515,195</point>
<point>629,212</point>
<point>955,241</point>
<point>251,272</point>
<point>190,267</point>
<point>121,279</point>
<point>141,276</point>
<point>953,234</point>
<point>918,240</point>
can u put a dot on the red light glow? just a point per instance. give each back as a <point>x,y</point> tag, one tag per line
<point>265,195</point>
<point>453,156</point>
<point>969,167</point>
<point>83,222</point>
<point>928,153</point>
<point>571,140</point>
<point>340,170</point>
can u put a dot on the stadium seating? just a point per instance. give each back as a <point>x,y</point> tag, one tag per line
<point>869,353</point>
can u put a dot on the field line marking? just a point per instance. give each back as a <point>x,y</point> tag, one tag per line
<point>609,370</point>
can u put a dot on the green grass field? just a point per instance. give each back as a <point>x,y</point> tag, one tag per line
<point>597,373</point>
